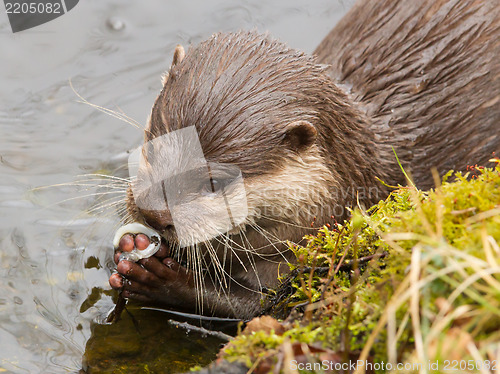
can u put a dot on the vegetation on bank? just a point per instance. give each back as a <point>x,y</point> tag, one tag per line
<point>414,281</point>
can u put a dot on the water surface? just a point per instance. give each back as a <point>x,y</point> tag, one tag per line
<point>55,255</point>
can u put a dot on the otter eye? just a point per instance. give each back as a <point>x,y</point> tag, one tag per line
<point>213,186</point>
<point>216,185</point>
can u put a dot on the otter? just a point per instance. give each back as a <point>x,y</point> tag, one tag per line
<point>312,135</point>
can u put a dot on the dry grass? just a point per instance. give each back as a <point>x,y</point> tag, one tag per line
<point>414,280</point>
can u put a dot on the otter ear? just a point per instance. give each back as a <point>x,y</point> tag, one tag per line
<point>299,135</point>
<point>179,54</point>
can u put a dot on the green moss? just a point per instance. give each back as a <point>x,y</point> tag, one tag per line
<point>417,267</point>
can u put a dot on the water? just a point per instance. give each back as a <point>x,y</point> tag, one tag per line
<point>55,257</point>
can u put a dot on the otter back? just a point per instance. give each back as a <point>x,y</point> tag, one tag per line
<point>427,74</point>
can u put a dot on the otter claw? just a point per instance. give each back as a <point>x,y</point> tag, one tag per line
<point>137,228</point>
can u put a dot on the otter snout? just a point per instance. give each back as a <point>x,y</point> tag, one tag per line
<point>160,220</point>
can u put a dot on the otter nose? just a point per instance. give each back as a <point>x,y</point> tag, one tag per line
<point>160,220</point>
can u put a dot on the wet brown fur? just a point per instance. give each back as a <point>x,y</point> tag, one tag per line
<point>428,76</point>
<point>420,76</point>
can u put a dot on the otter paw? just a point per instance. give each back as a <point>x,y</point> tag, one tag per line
<point>156,280</point>
<point>144,270</point>
<point>139,242</point>
<point>136,241</point>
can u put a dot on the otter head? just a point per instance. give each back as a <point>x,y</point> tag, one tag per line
<point>268,127</point>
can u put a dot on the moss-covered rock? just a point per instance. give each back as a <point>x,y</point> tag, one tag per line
<point>414,280</point>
